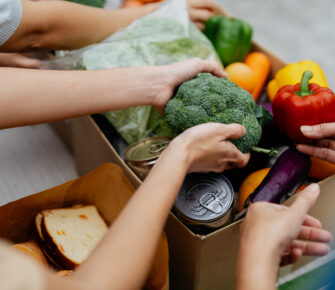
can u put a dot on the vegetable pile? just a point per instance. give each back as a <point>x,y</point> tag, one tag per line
<point>207,98</point>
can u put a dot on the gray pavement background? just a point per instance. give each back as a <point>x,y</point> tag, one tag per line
<point>33,158</point>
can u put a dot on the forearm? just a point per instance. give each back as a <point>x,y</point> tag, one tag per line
<point>132,241</point>
<point>64,25</point>
<point>36,96</point>
<point>257,266</point>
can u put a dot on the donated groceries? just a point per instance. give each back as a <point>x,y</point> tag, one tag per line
<point>283,179</point>
<point>69,235</point>
<point>303,104</point>
<point>161,38</point>
<point>168,36</point>
<point>231,38</point>
<point>291,75</point>
<point>207,98</point>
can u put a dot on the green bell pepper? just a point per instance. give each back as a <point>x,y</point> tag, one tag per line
<point>231,38</point>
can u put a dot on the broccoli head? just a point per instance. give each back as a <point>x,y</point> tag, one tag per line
<point>207,98</point>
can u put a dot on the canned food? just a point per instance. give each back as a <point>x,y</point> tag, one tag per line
<point>205,202</point>
<point>142,156</point>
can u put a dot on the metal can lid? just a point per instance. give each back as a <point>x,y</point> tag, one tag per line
<point>205,197</point>
<point>147,149</point>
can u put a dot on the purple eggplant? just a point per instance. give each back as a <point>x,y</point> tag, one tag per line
<point>284,178</point>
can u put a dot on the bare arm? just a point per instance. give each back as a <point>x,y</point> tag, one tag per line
<point>123,258</point>
<point>37,96</point>
<point>63,25</point>
<point>273,235</point>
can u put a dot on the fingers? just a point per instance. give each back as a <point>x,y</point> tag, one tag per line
<point>319,131</point>
<point>314,235</point>
<point>200,25</point>
<point>311,222</point>
<point>232,156</point>
<point>292,257</point>
<point>209,67</point>
<point>206,4</point>
<point>26,62</point>
<point>185,70</point>
<point>231,131</point>
<point>326,143</point>
<point>200,15</point>
<point>318,152</point>
<point>304,202</point>
<point>311,249</point>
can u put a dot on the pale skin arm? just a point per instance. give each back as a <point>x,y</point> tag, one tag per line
<point>123,258</point>
<point>273,235</point>
<point>45,96</point>
<point>65,25</point>
<point>324,146</point>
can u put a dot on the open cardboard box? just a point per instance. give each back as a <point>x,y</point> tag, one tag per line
<point>196,261</point>
<point>106,187</point>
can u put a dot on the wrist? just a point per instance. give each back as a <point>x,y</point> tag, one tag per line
<point>177,152</point>
<point>255,260</point>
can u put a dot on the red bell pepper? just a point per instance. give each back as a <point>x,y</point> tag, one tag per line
<point>303,104</point>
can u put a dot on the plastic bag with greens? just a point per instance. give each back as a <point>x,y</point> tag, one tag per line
<point>163,37</point>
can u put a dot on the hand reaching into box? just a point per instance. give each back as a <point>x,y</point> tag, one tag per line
<point>274,235</point>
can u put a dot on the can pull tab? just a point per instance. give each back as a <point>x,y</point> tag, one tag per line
<point>212,203</point>
<point>157,148</point>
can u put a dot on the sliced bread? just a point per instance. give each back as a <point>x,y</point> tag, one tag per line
<point>70,234</point>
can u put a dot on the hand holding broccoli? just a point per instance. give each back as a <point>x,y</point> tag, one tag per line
<point>172,75</point>
<point>207,98</point>
<point>205,148</point>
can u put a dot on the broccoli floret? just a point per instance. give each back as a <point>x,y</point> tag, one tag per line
<point>251,137</point>
<point>207,98</point>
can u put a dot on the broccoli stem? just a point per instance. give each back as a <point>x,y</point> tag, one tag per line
<point>271,152</point>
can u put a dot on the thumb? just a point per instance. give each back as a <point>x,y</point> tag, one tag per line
<point>232,131</point>
<point>26,62</point>
<point>304,202</point>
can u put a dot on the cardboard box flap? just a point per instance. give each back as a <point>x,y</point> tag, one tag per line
<point>106,187</point>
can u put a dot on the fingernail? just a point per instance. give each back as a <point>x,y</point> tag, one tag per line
<point>306,129</point>
<point>313,189</point>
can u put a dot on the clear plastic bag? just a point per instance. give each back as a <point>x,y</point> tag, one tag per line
<point>163,37</point>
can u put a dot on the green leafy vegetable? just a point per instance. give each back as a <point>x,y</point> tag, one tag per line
<point>207,98</point>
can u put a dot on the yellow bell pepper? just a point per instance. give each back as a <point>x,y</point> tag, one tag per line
<point>291,75</point>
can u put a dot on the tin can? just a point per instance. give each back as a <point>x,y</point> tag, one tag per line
<point>205,202</point>
<point>142,156</point>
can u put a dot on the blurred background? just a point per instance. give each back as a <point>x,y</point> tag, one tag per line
<point>292,30</point>
<point>33,158</point>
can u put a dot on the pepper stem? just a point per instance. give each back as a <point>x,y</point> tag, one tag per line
<point>271,152</point>
<point>304,84</point>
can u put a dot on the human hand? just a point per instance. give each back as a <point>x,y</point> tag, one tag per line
<point>167,78</point>
<point>206,149</point>
<point>324,147</point>
<point>289,231</point>
<point>18,60</point>
<point>201,10</point>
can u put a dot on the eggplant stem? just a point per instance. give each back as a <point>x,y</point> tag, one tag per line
<point>271,152</point>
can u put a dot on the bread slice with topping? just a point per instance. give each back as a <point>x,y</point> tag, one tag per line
<point>70,234</point>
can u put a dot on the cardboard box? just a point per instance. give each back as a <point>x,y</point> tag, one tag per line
<point>64,131</point>
<point>106,187</point>
<point>196,261</point>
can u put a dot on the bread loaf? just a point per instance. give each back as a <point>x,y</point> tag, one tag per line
<point>70,234</point>
<point>31,249</point>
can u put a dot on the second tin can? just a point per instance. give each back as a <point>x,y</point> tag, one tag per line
<point>205,202</point>
<point>142,156</point>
